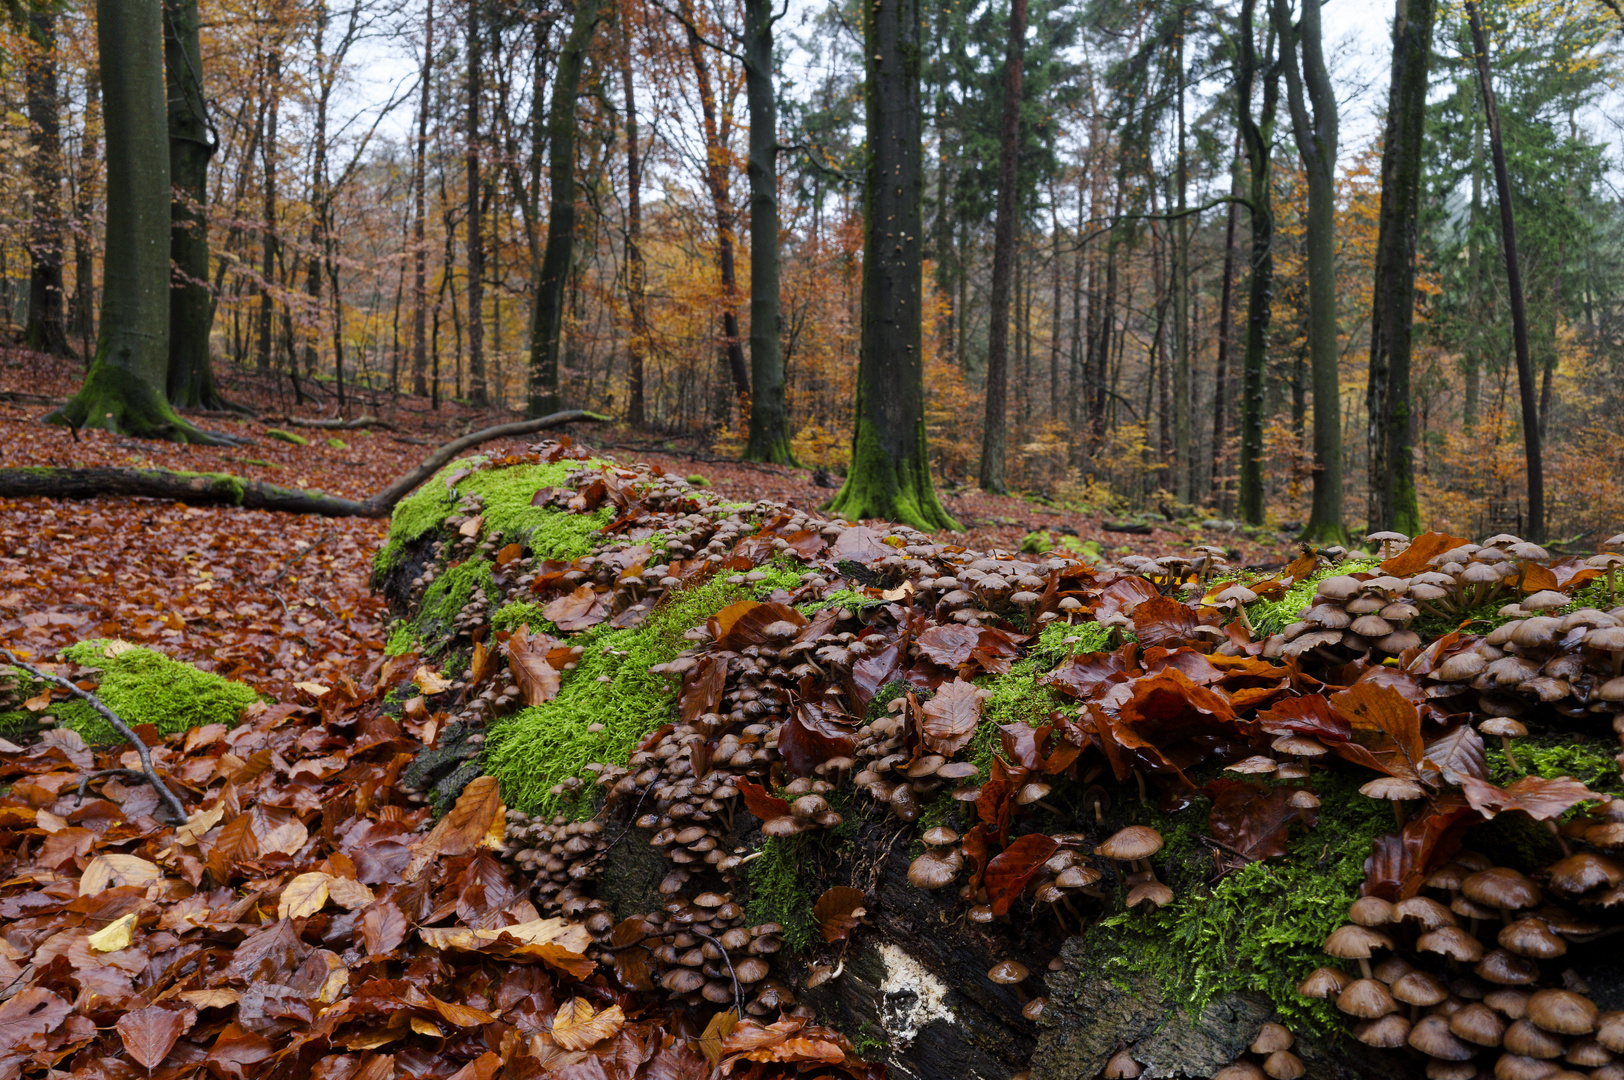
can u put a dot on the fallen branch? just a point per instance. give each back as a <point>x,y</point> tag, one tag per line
<point>217,489</point>
<point>335,425</point>
<point>150,774</point>
<point>1126,527</point>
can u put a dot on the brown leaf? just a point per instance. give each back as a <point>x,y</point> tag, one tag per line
<point>948,720</point>
<point>33,1010</point>
<point>702,687</point>
<point>1308,714</point>
<point>1535,796</point>
<point>484,1067</point>
<point>948,644</point>
<point>716,1032</point>
<point>839,911</point>
<point>150,1033</point>
<point>1422,550</point>
<point>759,801</point>
<point>509,553</point>
<point>744,624</point>
<point>479,808</point>
<point>809,738</point>
<point>1161,620</point>
<point>1010,870</point>
<point>461,1015</point>
<point>1458,754</point>
<point>527,658</point>
<point>1386,723</point>
<point>1400,863</point>
<point>861,545</point>
<point>577,1026</point>
<point>1252,820</point>
<point>579,610</point>
<point>383,928</point>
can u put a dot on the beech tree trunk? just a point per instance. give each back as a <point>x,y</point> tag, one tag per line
<point>1179,273</point>
<point>1519,313</point>
<point>552,277</point>
<point>124,390</point>
<point>769,414</point>
<point>889,475</point>
<point>420,255</point>
<point>478,394</point>
<point>637,342</point>
<point>1314,122</point>
<point>1257,137</point>
<point>994,431</point>
<point>191,145</point>
<point>1392,497</point>
<point>268,244</point>
<point>46,329</point>
<point>1220,380</point>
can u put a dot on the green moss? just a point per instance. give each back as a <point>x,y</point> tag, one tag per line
<point>286,436</point>
<point>1590,761</point>
<point>849,599</point>
<point>338,444</point>
<point>442,601</point>
<point>518,613</point>
<point>1018,698</point>
<point>1272,616</point>
<point>19,725</point>
<point>777,892</point>
<point>548,533</point>
<point>145,687</point>
<point>1259,929</point>
<point>698,481</point>
<point>1036,542</point>
<point>536,748</point>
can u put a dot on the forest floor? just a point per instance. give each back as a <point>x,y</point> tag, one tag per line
<point>279,598</point>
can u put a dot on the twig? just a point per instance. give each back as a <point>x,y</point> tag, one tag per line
<point>294,560</point>
<point>147,771</point>
<point>134,774</point>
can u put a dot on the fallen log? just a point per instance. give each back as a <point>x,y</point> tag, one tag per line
<point>224,489</point>
<point>1126,527</point>
<point>335,424</point>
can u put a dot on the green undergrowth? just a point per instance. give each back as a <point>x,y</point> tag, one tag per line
<point>1018,698</point>
<point>145,687</point>
<point>1588,760</point>
<point>536,748</point>
<point>286,436</point>
<point>1259,929</point>
<point>850,599</point>
<point>516,613</point>
<point>549,533</point>
<point>1272,616</point>
<point>778,893</point>
<point>442,600</point>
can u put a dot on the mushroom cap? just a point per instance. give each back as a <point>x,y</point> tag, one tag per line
<point>1583,871</point>
<point>1122,1067</point>
<point>1531,938</point>
<point>1299,746</point>
<point>1562,1012</point>
<point>1133,842</point>
<point>931,871</point>
<point>1325,983</point>
<point>783,825</point>
<point>1610,1031</point>
<point>1545,600</point>
<point>1366,999</point>
<point>1077,877</point>
<point>1355,942</point>
<point>1503,726</point>
<point>1271,1037</point>
<point>752,969</point>
<point>1393,788</point>
<point>1478,1024</point>
<point>1453,942</point>
<point>1031,791</point>
<point>1418,988</point>
<point>1507,969</point>
<point>1424,910</point>
<point>1439,1069</point>
<point>1239,1070</point>
<point>1524,1038</point>
<point>1431,1036</point>
<point>1371,911</point>
<point>1151,892</point>
<point>1386,1032</point>
<point>939,836</point>
<point>1501,887</point>
<point>1508,1001</point>
<point>1587,1053</point>
<point>1008,972</point>
<point>1255,765</point>
<point>1283,1065</point>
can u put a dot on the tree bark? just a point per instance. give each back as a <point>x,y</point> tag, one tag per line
<point>82,319</point>
<point>191,145</point>
<point>420,295</point>
<point>1514,288</point>
<point>478,394</point>
<point>552,277</point>
<point>268,245</point>
<point>1314,123</point>
<point>46,330</point>
<point>124,391</point>
<point>994,431</point>
<point>769,414</point>
<point>1392,499</point>
<point>637,343</point>
<point>1220,379</point>
<point>1179,273</point>
<point>1258,138</point>
<point>889,475</point>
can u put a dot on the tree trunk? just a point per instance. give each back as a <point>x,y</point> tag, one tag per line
<point>769,414</point>
<point>1220,379</point>
<point>1309,90</point>
<point>268,247</point>
<point>1392,498</point>
<point>1183,428</point>
<point>47,329</point>
<point>478,395</point>
<point>1258,138</point>
<point>191,145</point>
<point>994,429</point>
<point>1471,357</point>
<point>82,319</point>
<point>889,475</point>
<point>124,391</point>
<point>552,277</point>
<point>637,343</point>
<point>420,295</point>
<point>1514,287</point>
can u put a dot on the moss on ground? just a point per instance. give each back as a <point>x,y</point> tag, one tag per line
<point>286,436</point>
<point>1272,616</point>
<point>1018,698</point>
<point>1258,929</point>
<point>778,893</point>
<point>512,615</point>
<point>849,599</point>
<point>432,626</point>
<point>549,533</point>
<point>1586,759</point>
<point>145,687</point>
<point>536,748</point>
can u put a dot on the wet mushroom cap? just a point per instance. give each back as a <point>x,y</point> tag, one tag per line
<point>1387,1032</point>
<point>1431,1036</point>
<point>1501,887</point>
<point>1132,843</point>
<point>1562,1012</point>
<point>1271,1037</point>
<point>1008,972</point>
<point>1324,983</point>
<point>1366,999</point>
<point>1478,1024</point>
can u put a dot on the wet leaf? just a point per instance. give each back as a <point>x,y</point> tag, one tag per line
<point>1458,754</point>
<point>149,1034</point>
<point>115,935</point>
<point>948,720</point>
<point>1400,863</point>
<point>107,871</point>
<point>1422,550</point>
<point>305,895</point>
<point>1539,798</point>
<point>1254,821</point>
<point>716,1032</point>
<point>577,1026</point>
<point>839,911</point>
<point>465,826</point>
<point>1385,723</point>
<point>575,611</point>
<point>809,738</point>
<point>383,928</point>
<point>1010,870</point>
<point>1161,620</point>
<point>948,644</point>
<point>527,658</point>
<point>759,801</point>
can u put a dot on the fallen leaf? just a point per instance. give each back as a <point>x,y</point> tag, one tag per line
<point>106,871</point>
<point>578,610</point>
<point>538,680</point>
<point>115,935</point>
<point>577,1026</point>
<point>150,1033</point>
<point>303,896</point>
<point>948,720</point>
<point>430,682</point>
<point>1539,798</point>
<point>1422,550</point>
<point>759,801</point>
<point>1010,870</point>
<point>839,911</point>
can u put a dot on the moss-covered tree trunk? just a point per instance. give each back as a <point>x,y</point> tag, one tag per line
<point>191,145</point>
<point>552,276</point>
<point>46,329</point>
<point>994,428</point>
<point>125,388</point>
<point>1257,135</point>
<point>889,475</point>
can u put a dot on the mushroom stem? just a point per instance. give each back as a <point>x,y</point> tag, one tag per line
<point>1139,776</point>
<point>1398,813</point>
<point>1505,745</point>
<point>1561,841</point>
<point>1364,967</point>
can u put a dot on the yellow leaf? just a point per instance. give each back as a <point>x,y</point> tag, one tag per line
<point>720,1027</point>
<point>199,823</point>
<point>461,1015</point>
<point>429,681</point>
<point>338,977</point>
<point>348,893</point>
<point>426,1027</point>
<point>106,871</point>
<point>572,936</point>
<point>577,1027</point>
<point>471,526</point>
<point>218,998</point>
<point>314,689</point>
<point>115,935</point>
<point>303,896</point>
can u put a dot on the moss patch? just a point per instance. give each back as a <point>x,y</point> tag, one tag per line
<point>511,616</point>
<point>442,601</point>
<point>1588,760</point>
<point>536,748</point>
<point>777,893</point>
<point>286,436</point>
<point>1017,697</point>
<point>145,687</point>
<point>1272,616</point>
<point>1259,929</point>
<point>507,492</point>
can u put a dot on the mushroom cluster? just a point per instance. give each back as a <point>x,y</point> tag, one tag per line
<point>1473,975</point>
<point>560,853</point>
<point>1351,616</point>
<point>1569,663</point>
